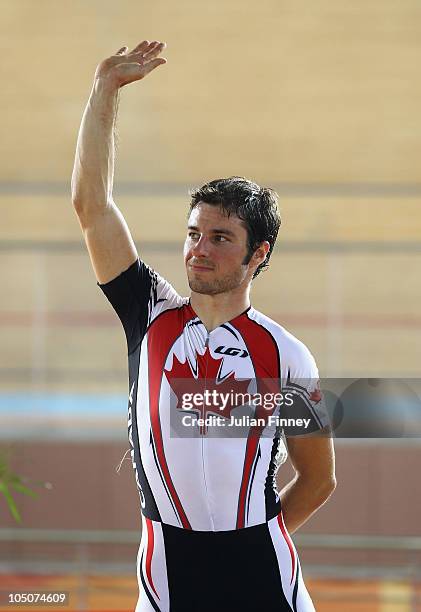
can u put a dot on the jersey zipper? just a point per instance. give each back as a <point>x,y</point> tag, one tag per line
<point>203,438</point>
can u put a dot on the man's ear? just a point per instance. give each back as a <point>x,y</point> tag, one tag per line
<point>260,253</point>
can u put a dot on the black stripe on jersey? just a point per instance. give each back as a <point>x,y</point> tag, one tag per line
<point>225,326</point>
<point>164,484</point>
<point>303,394</point>
<point>147,591</point>
<point>273,505</point>
<point>193,367</point>
<point>153,295</point>
<point>194,322</point>
<point>259,454</point>
<point>220,378</point>
<point>295,592</point>
<point>151,508</point>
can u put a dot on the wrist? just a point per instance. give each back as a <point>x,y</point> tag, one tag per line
<point>103,100</point>
<point>105,86</point>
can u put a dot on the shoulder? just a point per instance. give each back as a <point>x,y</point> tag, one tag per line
<point>294,354</point>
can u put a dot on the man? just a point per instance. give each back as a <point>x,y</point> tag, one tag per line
<point>214,536</point>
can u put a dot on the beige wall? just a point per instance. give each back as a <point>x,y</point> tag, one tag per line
<point>281,90</point>
<point>319,100</point>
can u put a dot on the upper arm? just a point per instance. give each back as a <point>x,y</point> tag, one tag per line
<point>110,245</point>
<point>301,386</point>
<point>310,445</point>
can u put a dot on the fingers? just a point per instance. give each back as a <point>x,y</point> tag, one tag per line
<point>155,49</point>
<point>141,47</point>
<point>148,50</point>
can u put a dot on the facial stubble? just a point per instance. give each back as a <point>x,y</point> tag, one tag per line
<point>218,285</point>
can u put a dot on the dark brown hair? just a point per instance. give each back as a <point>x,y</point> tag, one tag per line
<point>256,206</point>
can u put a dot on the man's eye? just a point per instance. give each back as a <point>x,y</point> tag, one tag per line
<point>193,235</point>
<point>220,238</point>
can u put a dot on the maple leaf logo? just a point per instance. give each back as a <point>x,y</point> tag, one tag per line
<point>204,378</point>
<point>316,394</point>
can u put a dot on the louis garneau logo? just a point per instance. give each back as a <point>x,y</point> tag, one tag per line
<point>231,351</point>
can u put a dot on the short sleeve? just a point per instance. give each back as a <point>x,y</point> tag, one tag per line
<point>139,295</point>
<point>305,399</point>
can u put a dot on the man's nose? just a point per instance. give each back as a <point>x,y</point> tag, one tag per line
<point>201,248</point>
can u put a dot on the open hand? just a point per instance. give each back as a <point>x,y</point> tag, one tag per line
<point>128,66</point>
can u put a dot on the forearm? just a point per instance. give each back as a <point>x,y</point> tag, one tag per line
<point>93,172</point>
<point>300,499</point>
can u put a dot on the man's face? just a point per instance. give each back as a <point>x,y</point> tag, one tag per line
<point>214,251</point>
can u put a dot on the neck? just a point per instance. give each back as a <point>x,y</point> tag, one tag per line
<point>213,310</point>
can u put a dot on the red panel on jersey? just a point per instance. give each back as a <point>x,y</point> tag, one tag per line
<point>161,337</point>
<point>265,358</point>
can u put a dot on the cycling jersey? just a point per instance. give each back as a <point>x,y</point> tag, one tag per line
<point>206,482</point>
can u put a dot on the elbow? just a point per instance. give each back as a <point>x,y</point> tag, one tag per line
<point>332,484</point>
<point>327,487</point>
<point>84,214</point>
<point>77,195</point>
<point>80,209</point>
<point>75,192</point>
<point>77,205</point>
<point>320,488</point>
<point>88,210</point>
<point>317,488</point>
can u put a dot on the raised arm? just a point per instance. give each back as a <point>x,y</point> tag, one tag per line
<point>110,245</point>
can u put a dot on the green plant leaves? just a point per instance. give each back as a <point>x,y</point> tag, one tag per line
<point>9,480</point>
<point>10,502</point>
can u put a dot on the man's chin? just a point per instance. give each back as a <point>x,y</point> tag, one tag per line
<point>214,286</point>
<point>203,288</point>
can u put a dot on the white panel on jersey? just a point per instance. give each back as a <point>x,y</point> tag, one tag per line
<point>289,567</point>
<point>156,582</point>
<point>163,296</point>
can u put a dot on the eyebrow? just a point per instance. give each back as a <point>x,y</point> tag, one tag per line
<point>214,231</point>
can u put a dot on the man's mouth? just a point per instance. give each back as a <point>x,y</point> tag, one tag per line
<point>200,267</point>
